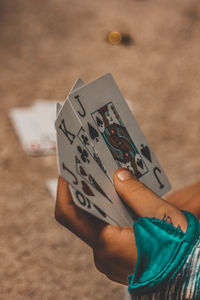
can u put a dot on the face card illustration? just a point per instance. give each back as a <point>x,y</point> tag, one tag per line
<point>115,134</point>
<point>118,140</point>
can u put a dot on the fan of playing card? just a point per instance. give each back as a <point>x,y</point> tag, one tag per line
<point>96,134</point>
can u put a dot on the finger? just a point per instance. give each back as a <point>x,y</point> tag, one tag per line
<point>135,193</point>
<point>84,225</point>
<point>64,196</point>
<point>117,256</point>
<point>143,201</point>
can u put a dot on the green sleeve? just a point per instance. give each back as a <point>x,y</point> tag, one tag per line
<point>162,250</point>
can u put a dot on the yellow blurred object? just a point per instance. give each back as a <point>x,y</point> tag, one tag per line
<point>115,37</point>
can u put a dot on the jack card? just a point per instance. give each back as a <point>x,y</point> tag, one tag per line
<point>115,134</point>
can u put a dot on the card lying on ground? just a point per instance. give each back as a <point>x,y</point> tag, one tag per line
<point>96,134</point>
<point>34,126</point>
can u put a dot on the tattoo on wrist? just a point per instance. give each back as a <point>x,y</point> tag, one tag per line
<point>168,219</point>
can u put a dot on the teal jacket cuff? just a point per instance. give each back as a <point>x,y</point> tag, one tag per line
<point>162,250</point>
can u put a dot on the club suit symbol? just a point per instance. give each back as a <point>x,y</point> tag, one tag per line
<point>84,154</point>
<point>85,139</point>
<point>146,152</point>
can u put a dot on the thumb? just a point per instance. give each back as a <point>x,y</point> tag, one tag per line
<point>143,201</point>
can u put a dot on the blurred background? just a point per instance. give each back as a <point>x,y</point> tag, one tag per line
<point>44,47</point>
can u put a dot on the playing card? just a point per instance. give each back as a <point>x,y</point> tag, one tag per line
<point>70,119</point>
<point>83,163</point>
<point>58,108</point>
<point>86,196</point>
<point>79,83</point>
<point>84,203</point>
<point>34,126</point>
<point>45,111</point>
<point>115,134</point>
<point>29,134</point>
<point>78,197</point>
<point>82,135</point>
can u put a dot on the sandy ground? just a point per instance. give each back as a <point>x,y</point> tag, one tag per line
<point>44,47</point>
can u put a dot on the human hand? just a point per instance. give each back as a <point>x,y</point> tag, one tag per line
<point>114,247</point>
<point>187,198</point>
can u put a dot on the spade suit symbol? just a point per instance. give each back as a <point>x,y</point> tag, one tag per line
<point>146,152</point>
<point>93,132</point>
<point>99,122</point>
<point>140,163</point>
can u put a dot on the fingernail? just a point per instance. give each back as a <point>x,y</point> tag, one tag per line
<point>124,175</point>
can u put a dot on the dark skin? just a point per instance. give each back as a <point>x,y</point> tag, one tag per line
<point>114,247</point>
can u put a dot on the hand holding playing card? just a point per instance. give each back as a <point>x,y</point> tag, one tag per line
<point>114,247</point>
<point>96,133</point>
